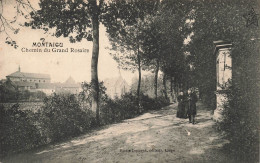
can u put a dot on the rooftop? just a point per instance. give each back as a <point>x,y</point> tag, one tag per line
<point>29,75</point>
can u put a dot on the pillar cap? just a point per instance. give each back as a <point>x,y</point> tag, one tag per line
<point>221,44</point>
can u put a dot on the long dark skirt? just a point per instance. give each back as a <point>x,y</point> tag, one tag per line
<point>181,112</point>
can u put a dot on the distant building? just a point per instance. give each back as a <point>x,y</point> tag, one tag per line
<point>116,87</point>
<point>42,82</point>
<point>28,81</point>
<point>47,88</point>
<point>69,86</point>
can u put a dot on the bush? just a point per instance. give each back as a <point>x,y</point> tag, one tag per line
<point>118,109</point>
<point>153,104</point>
<point>85,96</point>
<point>18,132</point>
<point>127,107</point>
<point>62,117</point>
<point>241,124</point>
<point>8,92</point>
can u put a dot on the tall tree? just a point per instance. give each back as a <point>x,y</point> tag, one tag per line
<point>125,20</point>
<point>76,19</point>
<point>234,21</point>
<point>173,30</point>
<point>152,48</point>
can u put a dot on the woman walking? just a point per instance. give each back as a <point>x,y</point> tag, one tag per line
<point>181,106</point>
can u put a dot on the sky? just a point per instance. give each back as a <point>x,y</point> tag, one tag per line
<point>59,65</point>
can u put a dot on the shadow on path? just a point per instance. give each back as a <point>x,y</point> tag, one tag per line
<point>156,136</point>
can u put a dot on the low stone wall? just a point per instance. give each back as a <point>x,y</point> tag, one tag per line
<point>32,106</point>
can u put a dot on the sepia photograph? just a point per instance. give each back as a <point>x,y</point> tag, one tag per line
<point>129,81</point>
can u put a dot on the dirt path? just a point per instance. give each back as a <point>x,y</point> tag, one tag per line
<point>157,136</point>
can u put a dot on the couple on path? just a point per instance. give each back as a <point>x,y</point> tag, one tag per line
<point>187,105</point>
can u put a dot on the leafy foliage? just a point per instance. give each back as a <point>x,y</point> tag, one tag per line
<point>76,19</point>
<point>147,86</point>
<point>150,35</point>
<point>69,18</point>
<point>218,20</point>
<point>128,107</point>
<point>9,92</point>
<point>10,26</point>
<point>124,21</point>
<point>86,95</point>
<point>65,116</point>
<point>62,117</point>
<point>241,123</point>
<point>18,130</point>
<point>225,20</point>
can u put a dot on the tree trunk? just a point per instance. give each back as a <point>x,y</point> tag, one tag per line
<point>94,61</point>
<point>140,77</point>
<point>176,88</point>
<point>164,86</point>
<point>156,78</point>
<point>139,67</point>
<point>172,95</point>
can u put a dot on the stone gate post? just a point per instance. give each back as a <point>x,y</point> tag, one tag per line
<point>223,75</point>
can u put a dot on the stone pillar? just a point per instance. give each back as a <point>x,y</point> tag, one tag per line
<point>223,75</point>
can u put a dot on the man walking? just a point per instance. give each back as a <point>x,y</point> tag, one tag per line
<point>191,105</point>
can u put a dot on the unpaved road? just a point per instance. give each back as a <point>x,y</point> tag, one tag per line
<point>157,136</point>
